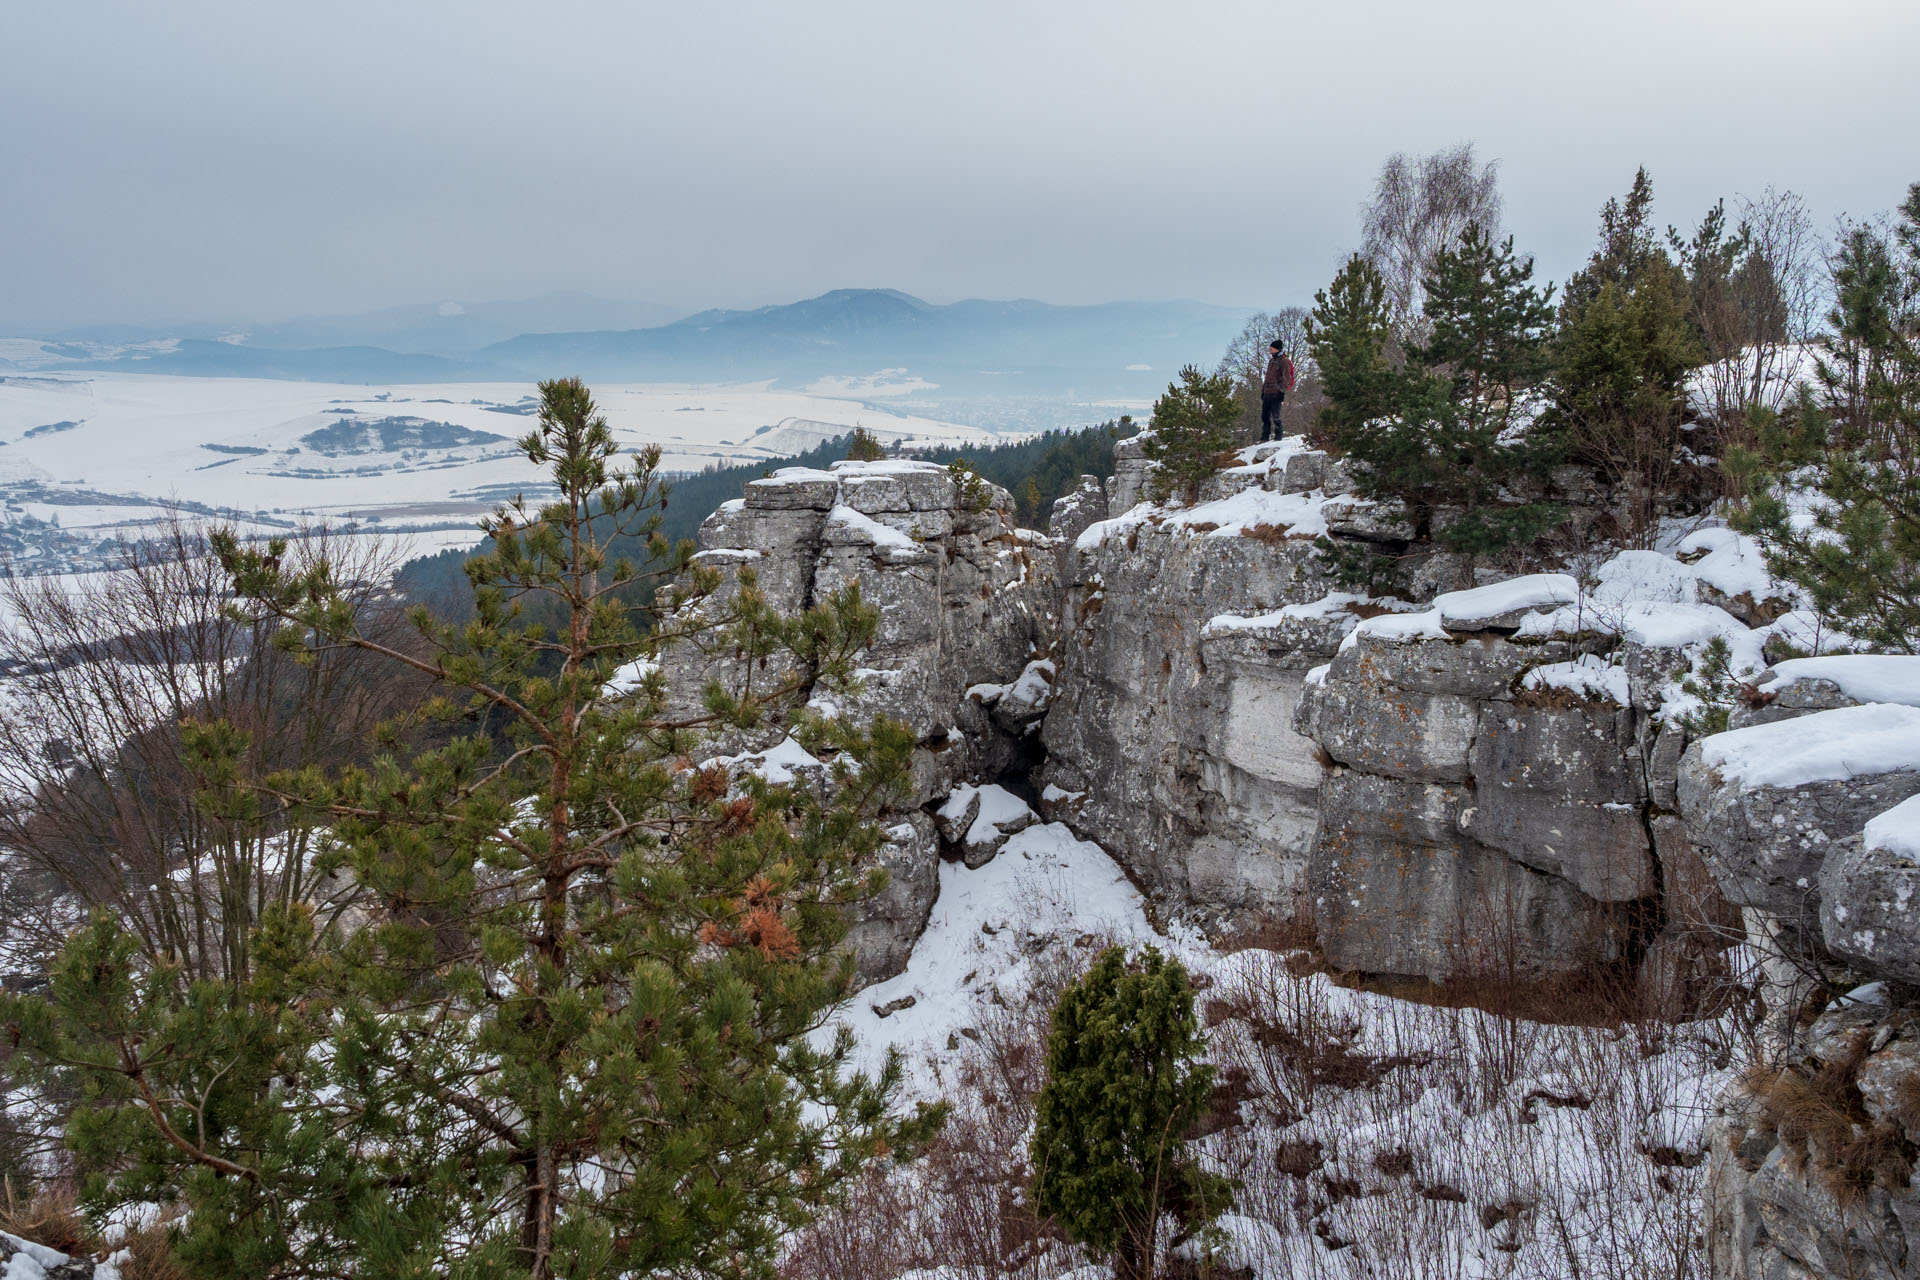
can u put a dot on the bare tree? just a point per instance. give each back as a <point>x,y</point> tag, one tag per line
<point>1756,300</point>
<point>102,802</point>
<point>1421,205</point>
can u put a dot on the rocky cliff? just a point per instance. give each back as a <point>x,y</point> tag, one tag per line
<point>1513,781</point>
<point>1170,740</point>
<point>966,604</point>
<point>1809,817</point>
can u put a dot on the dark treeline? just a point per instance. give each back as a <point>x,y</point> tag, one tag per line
<point>440,581</point>
<point>1038,470</point>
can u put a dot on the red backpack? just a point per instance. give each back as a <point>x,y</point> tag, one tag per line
<point>1286,373</point>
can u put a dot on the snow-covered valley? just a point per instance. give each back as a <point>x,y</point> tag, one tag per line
<point>87,458</point>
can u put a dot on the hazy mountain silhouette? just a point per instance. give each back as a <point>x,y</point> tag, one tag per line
<point>1019,346</point>
<point>973,348</point>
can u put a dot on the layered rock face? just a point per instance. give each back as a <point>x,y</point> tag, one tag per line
<point>1468,830</point>
<point>1809,819</point>
<point>1430,792</point>
<point>965,600</point>
<point>1170,741</point>
<point>1498,805</point>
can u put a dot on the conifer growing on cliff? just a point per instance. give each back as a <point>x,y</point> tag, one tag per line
<point>1443,430</point>
<point>1194,422</point>
<point>1843,520</point>
<point>1124,1086</point>
<point>573,1029</point>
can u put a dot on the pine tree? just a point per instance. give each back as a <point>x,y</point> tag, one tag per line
<point>1350,334</point>
<point>1858,557</point>
<point>1627,341</point>
<point>864,446</point>
<point>574,1033</point>
<point>1194,422</point>
<point>1124,1087</point>
<point>1444,433</point>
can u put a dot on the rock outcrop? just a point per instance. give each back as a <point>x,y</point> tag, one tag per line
<point>1808,817</point>
<point>965,601</point>
<point>24,1260</point>
<point>1491,803</point>
<point>1500,783</point>
<point>1170,740</point>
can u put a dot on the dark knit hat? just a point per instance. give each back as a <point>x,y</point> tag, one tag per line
<point>1276,345</point>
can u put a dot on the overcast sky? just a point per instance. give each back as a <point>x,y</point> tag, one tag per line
<point>258,160</point>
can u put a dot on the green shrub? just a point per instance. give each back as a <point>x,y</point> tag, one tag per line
<point>1123,1090</point>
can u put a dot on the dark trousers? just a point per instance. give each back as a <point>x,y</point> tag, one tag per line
<point>1270,428</point>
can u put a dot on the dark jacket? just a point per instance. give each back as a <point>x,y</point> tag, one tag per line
<point>1279,377</point>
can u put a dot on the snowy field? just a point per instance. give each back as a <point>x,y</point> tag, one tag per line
<point>85,457</point>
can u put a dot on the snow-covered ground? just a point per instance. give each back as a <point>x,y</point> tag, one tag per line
<point>1373,1136</point>
<point>100,452</point>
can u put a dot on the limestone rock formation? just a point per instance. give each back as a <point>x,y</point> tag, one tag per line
<point>1170,740</point>
<point>1471,825</point>
<point>1809,817</point>
<point>966,600</point>
<point>24,1260</point>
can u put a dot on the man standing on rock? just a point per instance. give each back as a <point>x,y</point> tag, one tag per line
<point>1273,390</point>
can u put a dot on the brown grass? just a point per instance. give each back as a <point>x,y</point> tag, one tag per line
<point>1821,1115</point>
<point>50,1218</point>
<point>150,1255</point>
<point>1271,534</point>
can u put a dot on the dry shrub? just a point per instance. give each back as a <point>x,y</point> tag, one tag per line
<point>1821,1116</point>
<point>1271,534</point>
<point>51,1218</point>
<point>1292,935</point>
<point>149,1255</point>
<point>967,1205</point>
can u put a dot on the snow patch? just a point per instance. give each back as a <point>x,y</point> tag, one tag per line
<point>1864,677</point>
<point>627,678</point>
<point>1482,604</point>
<point>985,936</point>
<point>1589,676</point>
<point>779,763</point>
<point>1828,746</point>
<point>884,537</point>
<point>1897,830</point>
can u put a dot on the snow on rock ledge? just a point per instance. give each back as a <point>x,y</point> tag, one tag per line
<point>1769,802</point>
<point>981,820</point>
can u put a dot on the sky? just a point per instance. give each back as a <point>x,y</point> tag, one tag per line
<point>251,162</point>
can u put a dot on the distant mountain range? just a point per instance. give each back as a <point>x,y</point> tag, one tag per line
<point>973,346</point>
<point>438,329</point>
<point>841,340</point>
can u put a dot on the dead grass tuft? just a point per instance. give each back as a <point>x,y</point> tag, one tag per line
<point>1271,534</point>
<point>1821,1116</point>
<point>150,1255</point>
<point>51,1218</point>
